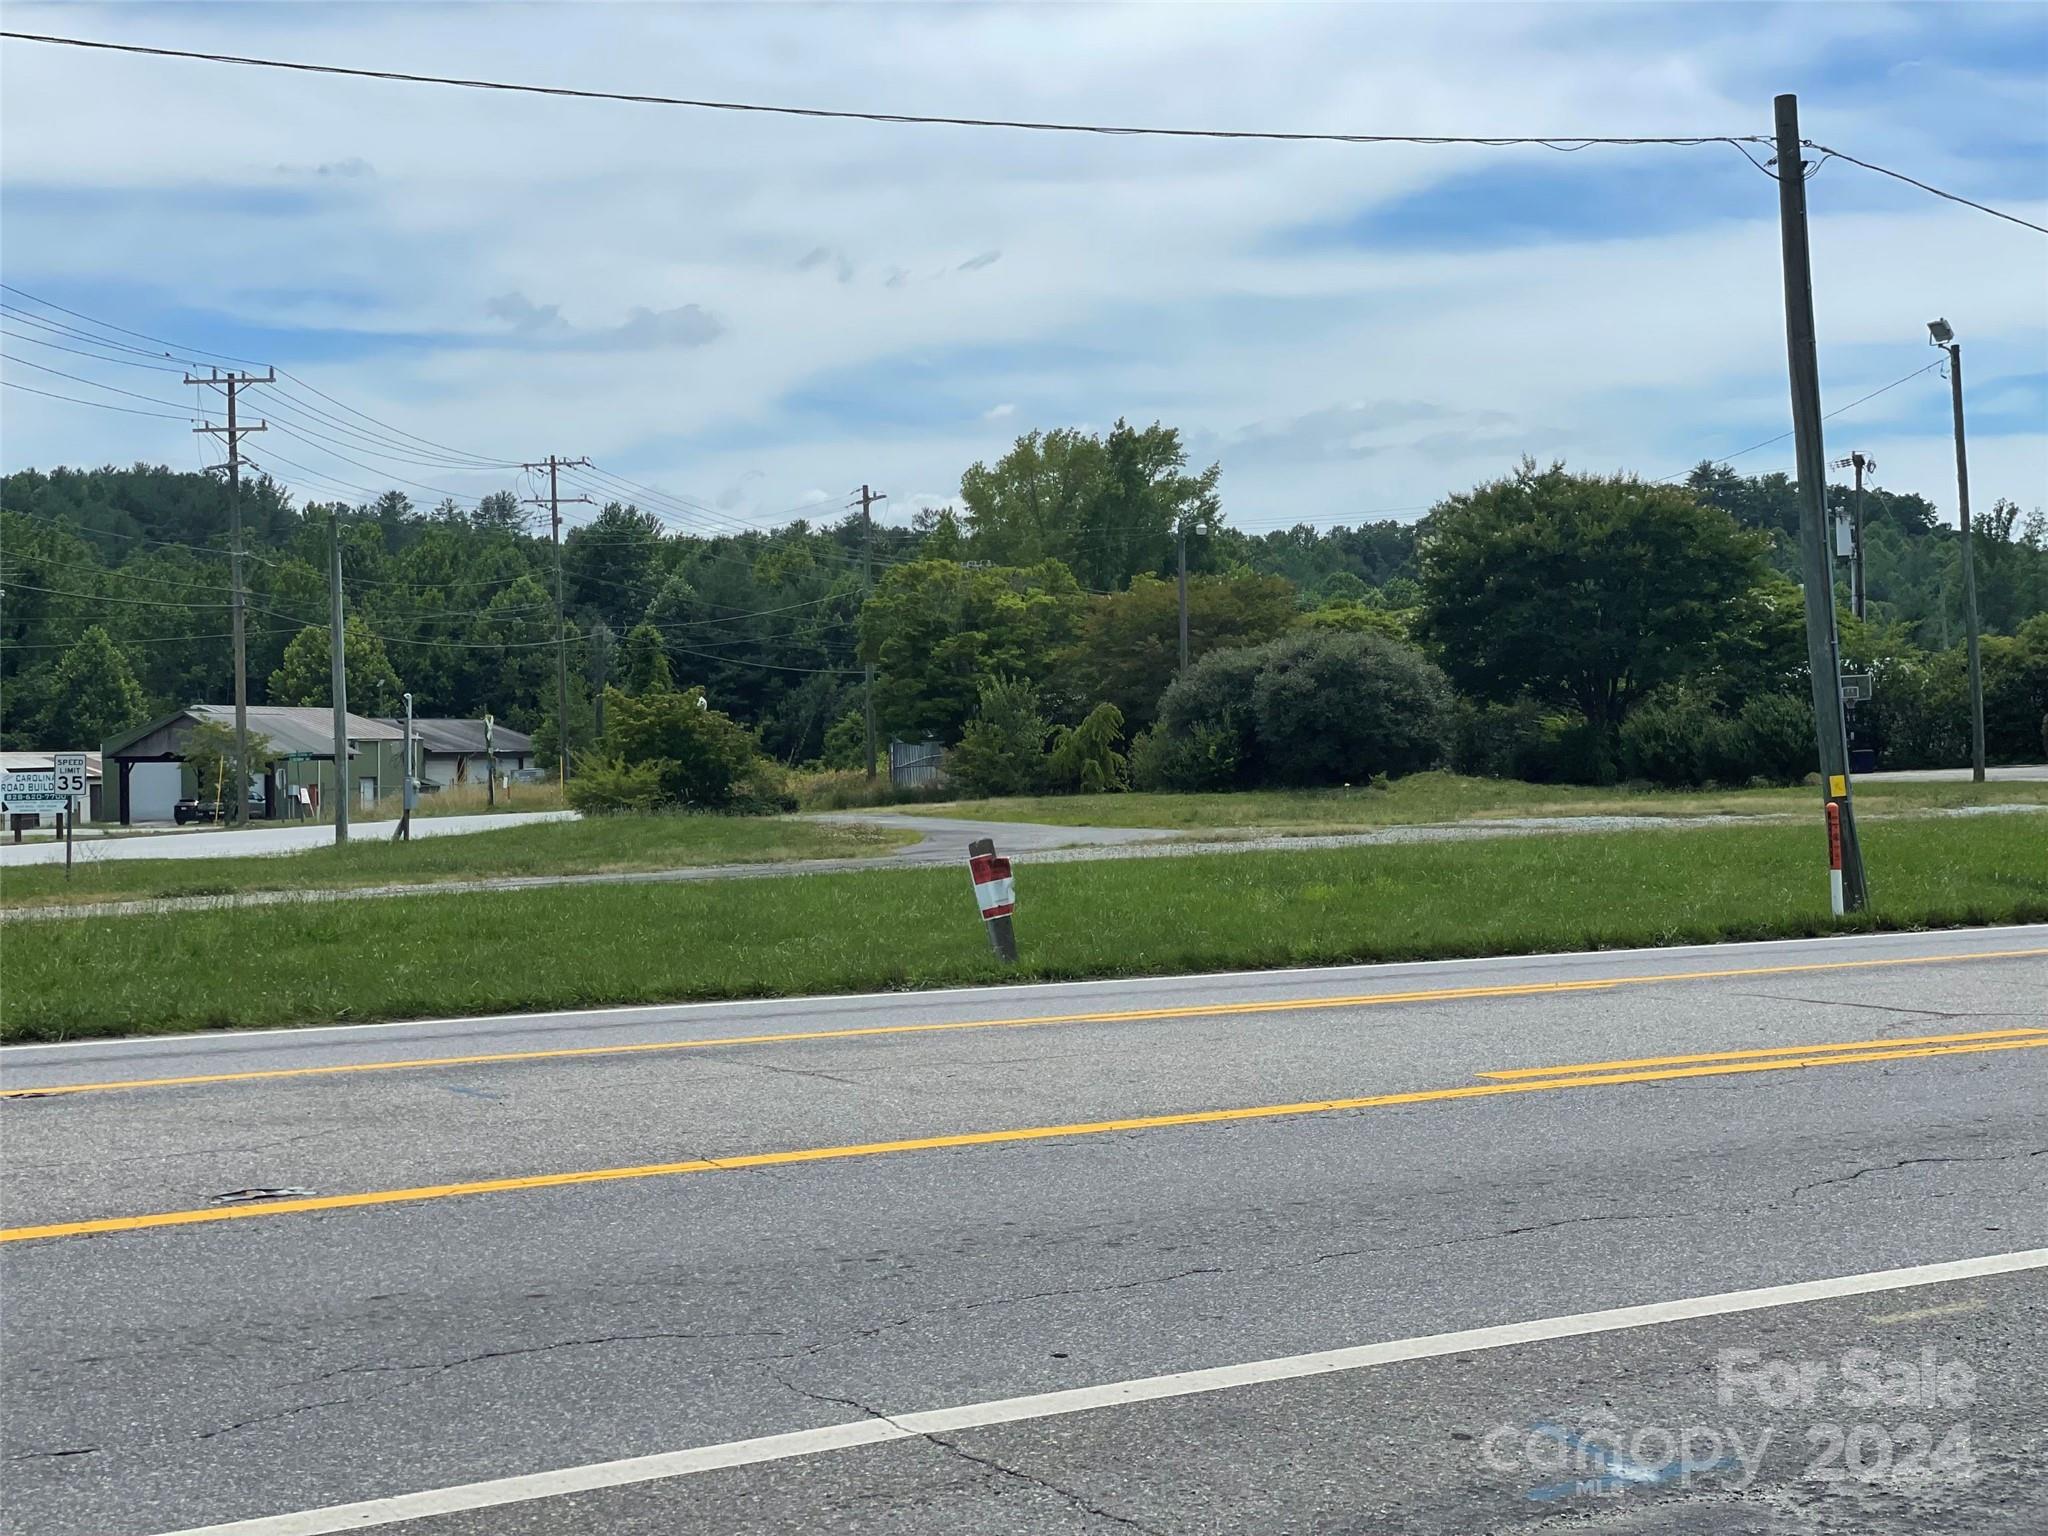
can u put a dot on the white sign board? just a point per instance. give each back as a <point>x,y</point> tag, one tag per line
<point>32,791</point>
<point>70,771</point>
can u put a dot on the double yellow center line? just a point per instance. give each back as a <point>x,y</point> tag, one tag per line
<point>1514,1080</point>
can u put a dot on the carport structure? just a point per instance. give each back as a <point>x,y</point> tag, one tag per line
<point>297,735</point>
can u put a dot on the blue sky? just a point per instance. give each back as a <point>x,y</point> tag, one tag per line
<point>760,313</point>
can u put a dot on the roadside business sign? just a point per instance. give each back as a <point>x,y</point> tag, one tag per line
<point>36,790</point>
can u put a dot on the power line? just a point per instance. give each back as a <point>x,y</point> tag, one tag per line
<point>98,357</point>
<point>1830,416</point>
<point>1564,143</point>
<point>79,378</point>
<point>1911,181</point>
<point>127,410</point>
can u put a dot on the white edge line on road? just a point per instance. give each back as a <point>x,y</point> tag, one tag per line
<point>1045,1405</point>
<point>627,1012</point>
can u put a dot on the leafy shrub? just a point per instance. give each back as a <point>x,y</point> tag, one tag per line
<point>1778,742</point>
<point>1680,740</point>
<point>1085,759</point>
<point>1337,707</point>
<point>696,756</point>
<point>604,785</point>
<point>1002,751</point>
<point>1205,758</point>
<point>1665,741</point>
<point>1500,740</point>
<point>1314,707</point>
<point>1208,711</point>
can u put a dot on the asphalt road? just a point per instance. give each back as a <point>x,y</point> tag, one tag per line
<point>265,838</point>
<point>827,1220</point>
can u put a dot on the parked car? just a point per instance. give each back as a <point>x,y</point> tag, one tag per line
<point>186,811</point>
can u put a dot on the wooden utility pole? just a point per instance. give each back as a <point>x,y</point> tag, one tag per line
<point>1180,542</point>
<point>1955,384</point>
<point>231,383</point>
<point>868,499</point>
<point>554,466</point>
<point>1816,553</point>
<point>337,661</point>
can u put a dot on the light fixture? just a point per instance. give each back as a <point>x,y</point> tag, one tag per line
<point>1939,334</point>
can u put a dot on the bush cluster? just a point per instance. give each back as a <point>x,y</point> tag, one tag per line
<point>1319,707</point>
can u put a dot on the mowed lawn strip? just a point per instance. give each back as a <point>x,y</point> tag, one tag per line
<point>582,946</point>
<point>1437,797</point>
<point>591,846</point>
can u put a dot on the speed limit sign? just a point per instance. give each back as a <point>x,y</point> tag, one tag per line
<point>70,774</point>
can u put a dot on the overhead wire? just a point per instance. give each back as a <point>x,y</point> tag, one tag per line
<point>1563,143</point>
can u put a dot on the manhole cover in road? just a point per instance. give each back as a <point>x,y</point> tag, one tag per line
<point>259,1194</point>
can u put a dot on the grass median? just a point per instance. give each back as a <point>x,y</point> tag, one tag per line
<point>584,946</point>
<point>1435,797</point>
<point>594,846</point>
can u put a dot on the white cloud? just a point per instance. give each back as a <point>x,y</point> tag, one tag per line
<point>656,288</point>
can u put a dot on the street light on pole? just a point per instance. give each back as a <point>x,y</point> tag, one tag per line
<point>1941,334</point>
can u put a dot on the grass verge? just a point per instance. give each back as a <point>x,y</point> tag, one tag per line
<point>584,946</point>
<point>1434,797</point>
<point>592,846</point>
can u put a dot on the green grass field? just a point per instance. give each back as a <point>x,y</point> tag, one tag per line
<point>593,846</point>
<point>1436,797</point>
<point>579,946</point>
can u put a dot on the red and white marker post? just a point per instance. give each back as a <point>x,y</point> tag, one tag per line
<point>996,894</point>
<point>1835,857</point>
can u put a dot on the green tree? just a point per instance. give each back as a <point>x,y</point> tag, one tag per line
<point>1581,590</point>
<point>643,665</point>
<point>210,749</point>
<point>1107,508</point>
<point>1127,648</point>
<point>611,567</point>
<point>935,630</point>
<point>1085,759</point>
<point>699,756</point>
<point>93,696</point>
<point>306,674</point>
<point>1002,751</point>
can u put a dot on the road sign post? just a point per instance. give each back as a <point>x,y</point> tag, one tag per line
<point>69,770</point>
<point>996,894</point>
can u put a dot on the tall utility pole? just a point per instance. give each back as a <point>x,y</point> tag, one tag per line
<point>868,499</point>
<point>1860,462</point>
<point>1180,544</point>
<point>554,466</point>
<point>600,670</point>
<point>1856,603</point>
<point>337,661</point>
<point>1944,338</point>
<point>231,383</point>
<point>1823,658</point>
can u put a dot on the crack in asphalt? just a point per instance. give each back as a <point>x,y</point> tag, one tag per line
<point>1929,1013</point>
<point>1079,1500</point>
<point>540,1349</point>
<point>165,1157</point>
<point>1910,1162</point>
<point>412,1372</point>
<point>74,1450</point>
<point>1092,1290</point>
